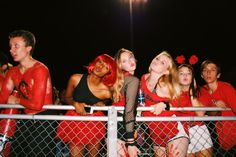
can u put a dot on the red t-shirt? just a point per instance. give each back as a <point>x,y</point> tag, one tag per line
<point>34,86</point>
<point>226,130</point>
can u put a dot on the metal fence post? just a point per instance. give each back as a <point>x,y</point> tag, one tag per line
<point>112,132</point>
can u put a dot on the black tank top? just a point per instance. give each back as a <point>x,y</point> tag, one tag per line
<point>83,94</point>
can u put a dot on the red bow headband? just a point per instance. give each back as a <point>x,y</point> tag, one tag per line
<point>192,60</point>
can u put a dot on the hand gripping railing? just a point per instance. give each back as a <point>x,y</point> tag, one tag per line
<point>112,118</point>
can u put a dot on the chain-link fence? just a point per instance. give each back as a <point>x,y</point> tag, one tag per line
<point>59,135</point>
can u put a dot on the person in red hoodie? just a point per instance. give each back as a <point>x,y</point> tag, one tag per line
<point>222,94</point>
<point>29,84</point>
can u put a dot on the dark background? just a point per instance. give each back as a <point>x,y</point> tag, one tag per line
<point>71,33</point>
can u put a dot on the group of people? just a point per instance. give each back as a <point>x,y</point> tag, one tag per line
<point>112,81</point>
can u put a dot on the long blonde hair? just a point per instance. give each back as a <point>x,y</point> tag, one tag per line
<point>170,80</point>
<point>120,75</point>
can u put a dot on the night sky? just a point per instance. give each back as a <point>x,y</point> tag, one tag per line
<point>71,33</point>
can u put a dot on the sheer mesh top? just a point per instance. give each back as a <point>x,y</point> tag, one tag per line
<point>130,91</point>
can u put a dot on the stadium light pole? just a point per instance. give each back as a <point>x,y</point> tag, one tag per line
<point>131,3</point>
<point>131,25</point>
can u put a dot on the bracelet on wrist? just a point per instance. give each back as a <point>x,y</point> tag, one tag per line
<point>134,143</point>
<point>130,140</point>
<point>167,108</point>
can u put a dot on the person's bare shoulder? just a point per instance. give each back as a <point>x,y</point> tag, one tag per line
<point>75,78</point>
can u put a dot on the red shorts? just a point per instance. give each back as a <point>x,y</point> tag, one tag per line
<point>81,132</point>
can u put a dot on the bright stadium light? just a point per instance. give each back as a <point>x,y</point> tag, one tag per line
<point>135,1</point>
